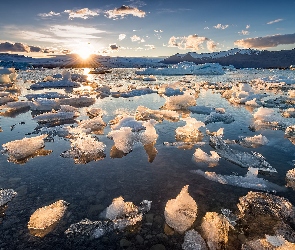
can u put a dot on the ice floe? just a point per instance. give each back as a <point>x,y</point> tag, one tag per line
<point>46,95</point>
<point>20,150</point>
<point>193,241</point>
<point>6,195</point>
<point>290,178</point>
<point>269,243</point>
<point>181,212</point>
<point>254,141</point>
<point>144,114</point>
<point>179,102</point>
<point>243,159</point>
<point>219,117</point>
<point>44,104</point>
<point>190,132</point>
<point>249,181</point>
<point>201,156</point>
<point>44,219</point>
<point>7,75</point>
<point>215,229</point>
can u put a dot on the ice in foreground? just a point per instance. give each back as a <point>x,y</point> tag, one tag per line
<point>201,156</point>
<point>44,219</point>
<point>290,178</point>
<point>276,242</point>
<point>179,102</point>
<point>249,181</point>
<point>189,132</point>
<point>20,150</point>
<point>123,214</point>
<point>243,159</point>
<point>181,212</point>
<point>7,75</point>
<point>6,195</point>
<point>193,241</point>
<point>254,141</point>
<point>215,228</point>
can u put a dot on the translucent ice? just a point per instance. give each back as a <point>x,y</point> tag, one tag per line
<point>243,159</point>
<point>190,131</point>
<point>193,241</point>
<point>254,141</point>
<point>6,195</point>
<point>78,102</point>
<point>129,122</point>
<point>181,212</point>
<point>201,110</point>
<point>43,220</point>
<point>179,102</point>
<point>215,229</point>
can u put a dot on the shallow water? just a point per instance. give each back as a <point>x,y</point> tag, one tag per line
<point>91,187</point>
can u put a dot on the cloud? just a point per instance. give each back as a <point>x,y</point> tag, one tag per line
<point>220,26</point>
<point>192,42</point>
<point>114,47</point>
<point>158,31</point>
<point>211,45</point>
<point>136,38</point>
<point>206,28</point>
<point>124,11</point>
<point>244,32</point>
<point>247,26</point>
<point>49,14</point>
<point>149,46</point>
<point>275,21</point>
<point>18,47</point>
<point>122,37</point>
<point>72,31</point>
<point>267,41</point>
<point>82,13</point>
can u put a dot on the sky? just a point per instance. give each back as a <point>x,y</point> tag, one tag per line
<point>136,28</point>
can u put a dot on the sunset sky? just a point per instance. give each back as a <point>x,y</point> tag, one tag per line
<point>144,28</point>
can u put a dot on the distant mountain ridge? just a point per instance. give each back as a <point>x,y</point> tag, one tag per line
<point>240,58</point>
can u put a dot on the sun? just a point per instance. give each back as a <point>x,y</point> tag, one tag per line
<point>84,53</point>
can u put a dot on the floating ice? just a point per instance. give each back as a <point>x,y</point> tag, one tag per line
<point>253,142</point>
<point>6,195</point>
<point>201,156</point>
<point>249,181</point>
<point>7,75</point>
<point>94,112</point>
<point>264,114</point>
<point>185,68</point>
<point>290,178</point>
<point>84,149</point>
<point>277,79</point>
<point>215,229</point>
<point>20,150</point>
<point>193,241</point>
<point>78,102</point>
<point>181,212</point>
<point>179,102</point>
<point>289,113</point>
<point>44,104</point>
<point>201,110</point>
<point>95,229</point>
<point>95,125</point>
<point>129,122</point>
<point>7,99</point>
<point>276,242</point>
<point>189,132</point>
<point>219,117</point>
<point>44,219</point>
<point>144,114</point>
<point>46,95</point>
<point>14,108</point>
<point>243,159</point>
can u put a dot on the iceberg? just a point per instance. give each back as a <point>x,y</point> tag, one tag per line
<point>181,212</point>
<point>44,219</point>
<point>215,229</point>
<point>193,241</point>
<point>243,159</point>
<point>6,195</point>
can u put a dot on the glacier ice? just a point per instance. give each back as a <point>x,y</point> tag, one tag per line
<point>6,195</point>
<point>193,241</point>
<point>201,156</point>
<point>189,132</point>
<point>181,212</point>
<point>243,159</point>
<point>44,219</point>
<point>215,229</point>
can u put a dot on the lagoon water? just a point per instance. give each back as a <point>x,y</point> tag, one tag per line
<point>142,174</point>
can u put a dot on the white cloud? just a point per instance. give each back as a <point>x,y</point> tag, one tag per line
<point>275,21</point>
<point>135,38</point>
<point>82,13</point>
<point>211,45</point>
<point>49,14</point>
<point>244,32</point>
<point>192,42</point>
<point>247,26</point>
<point>220,26</point>
<point>122,37</point>
<point>124,11</point>
<point>72,31</point>
<point>149,46</point>
<point>206,28</point>
<point>267,41</point>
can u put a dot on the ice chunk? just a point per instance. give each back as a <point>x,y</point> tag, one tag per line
<point>219,117</point>
<point>243,159</point>
<point>44,219</point>
<point>189,132</point>
<point>95,125</point>
<point>143,114</point>
<point>121,219</point>
<point>46,95</point>
<point>215,229</point>
<point>253,142</point>
<point>44,104</point>
<point>84,149</point>
<point>179,102</point>
<point>193,241</point>
<point>7,75</point>
<point>219,132</point>
<point>275,242</point>
<point>12,109</point>
<point>288,113</point>
<point>21,150</point>
<point>94,112</point>
<point>181,212</point>
<point>249,181</point>
<point>201,110</point>
<point>129,122</point>
<point>201,156</point>
<point>78,102</point>
<point>290,178</point>
<point>6,195</point>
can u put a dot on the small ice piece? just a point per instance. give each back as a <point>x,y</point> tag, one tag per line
<point>7,75</point>
<point>231,218</point>
<point>44,219</point>
<point>258,203</point>
<point>24,148</point>
<point>6,195</point>
<point>94,112</point>
<point>84,149</point>
<point>276,242</point>
<point>264,114</point>
<point>252,103</point>
<point>253,142</point>
<point>144,114</point>
<point>290,131</point>
<point>201,156</point>
<point>215,229</point>
<point>219,117</point>
<point>44,104</point>
<point>179,102</point>
<point>219,132</point>
<point>78,102</point>
<point>193,241</point>
<point>46,95</point>
<point>95,125</point>
<point>289,113</point>
<point>249,181</point>
<point>190,131</point>
<point>290,178</point>
<point>181,212</point>
<point>201,110</point>
<point>150,78</point>
<point>129,122</point>
<point>243,159</point>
